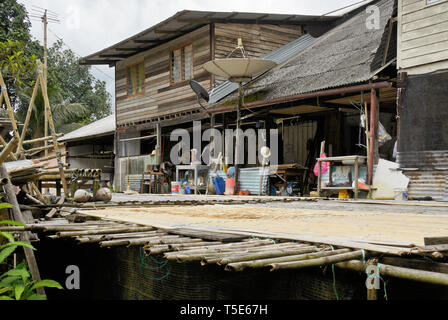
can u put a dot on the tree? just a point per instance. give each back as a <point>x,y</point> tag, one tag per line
<point>77,98</point>
<point>76,83</point>
<point>14,22</point>
<point>66,116</point>
<point>17,48</point>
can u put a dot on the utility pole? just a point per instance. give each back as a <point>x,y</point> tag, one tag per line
<point>45,16</point>
<point>45,21</point>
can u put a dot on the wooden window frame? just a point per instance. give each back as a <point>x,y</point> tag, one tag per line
<point>172,83</point>
<point>127,79</point>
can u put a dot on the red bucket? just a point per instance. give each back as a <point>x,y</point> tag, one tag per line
<point>230,187</point>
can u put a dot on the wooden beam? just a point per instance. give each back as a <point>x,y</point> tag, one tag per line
<point>431,241</point>
<point>148,41</point>
<point>17,214</point>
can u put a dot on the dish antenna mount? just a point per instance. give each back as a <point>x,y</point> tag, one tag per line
<point>200,91</point>
<point>239,70</point>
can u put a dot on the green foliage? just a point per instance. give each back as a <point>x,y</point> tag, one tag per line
<point>76,83</point>
<point>65,114</point>
<point>77,98</point>
<point>15,65</point>
<point>14,21</point>
<point>16,284</point>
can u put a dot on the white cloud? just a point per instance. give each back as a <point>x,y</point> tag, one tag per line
<point>88,26</point>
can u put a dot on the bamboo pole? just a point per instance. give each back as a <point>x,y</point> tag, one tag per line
<point>41,148</point>
<point>6,152</point>
<point>29,254</point>
<point>100,238</point>
<point>437,278</point>
<point>182,246</point>
<point>213,256</point>
<point>131,241</point>
<point>103,231</point>
<point>319,261</point>
<point>28,116</point>
<point>264,254</point>
<point>66,165</point>
<point>62,154</point>
<point>42,139</point>
<point>4,144</point>
<point>4,93</point>
<point>162,248</point>
<point>240,266</point>
<point>29,197</point>
<point>231,246</point>
<point>53,133</point>
<point>38,193</point>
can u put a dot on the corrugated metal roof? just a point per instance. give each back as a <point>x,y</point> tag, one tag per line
<point>101,127</point>
<point>184,22</point>
<point>279,55</point>
<point>345,55</point>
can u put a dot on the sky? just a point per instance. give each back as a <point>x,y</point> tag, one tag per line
<point>87,26</point>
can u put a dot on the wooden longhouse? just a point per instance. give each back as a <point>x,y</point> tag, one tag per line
<point>153,68</point>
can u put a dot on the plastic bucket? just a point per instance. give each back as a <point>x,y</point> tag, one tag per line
<point>175,187</point>
<point>230,187</point>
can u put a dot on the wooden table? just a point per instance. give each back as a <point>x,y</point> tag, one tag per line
<point>356,161</point>
<point>155,175</point>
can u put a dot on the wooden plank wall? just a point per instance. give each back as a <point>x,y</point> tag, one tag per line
<point>160,97</point>
<point>258,39</point>
<point>423,33</point>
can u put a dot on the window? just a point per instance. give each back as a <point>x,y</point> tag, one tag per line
<point>136,79</point>
<point>432,1</point>
<point>182,64</point>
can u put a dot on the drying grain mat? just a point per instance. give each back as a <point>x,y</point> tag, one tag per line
<point>403,230</point>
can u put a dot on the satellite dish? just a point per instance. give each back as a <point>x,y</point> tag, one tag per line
<point>239,69</point>
<point>200,91</point>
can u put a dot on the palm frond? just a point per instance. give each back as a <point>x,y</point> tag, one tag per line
<point>69,127</point>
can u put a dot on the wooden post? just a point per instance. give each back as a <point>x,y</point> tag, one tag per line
<point>356,178</point>
<point>28,116</point>
<point>373,135</point>
<point>238,125</point>
<point>45,21</point>
<point>53,133</point>
<point>30,258</point>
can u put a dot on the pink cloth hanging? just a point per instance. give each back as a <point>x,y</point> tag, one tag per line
<point>325,166</point>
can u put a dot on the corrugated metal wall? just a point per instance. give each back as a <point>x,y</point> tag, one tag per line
<point>428,171</point>
<point>249,179</point>
<point>295,138</point>
<point>427,184</point>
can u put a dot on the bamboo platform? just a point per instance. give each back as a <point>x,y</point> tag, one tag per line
<point>388,232</point>
<point>236,252</point>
